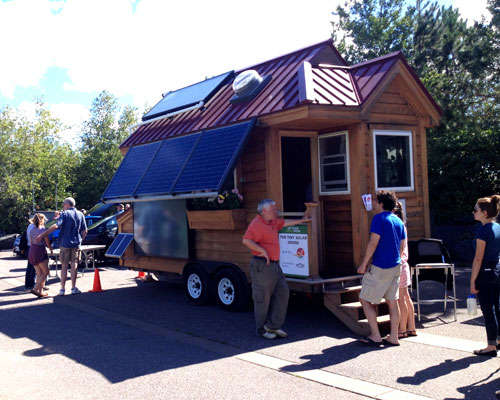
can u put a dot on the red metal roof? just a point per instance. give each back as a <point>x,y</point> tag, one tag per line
<point>315,74</point>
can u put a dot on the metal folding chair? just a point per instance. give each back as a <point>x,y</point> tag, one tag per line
<point>431,260</point>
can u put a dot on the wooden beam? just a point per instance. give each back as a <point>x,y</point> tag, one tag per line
<point>285,116</point>
<point>425,179</point>
<point>358,184</point>
<point>273,166</point>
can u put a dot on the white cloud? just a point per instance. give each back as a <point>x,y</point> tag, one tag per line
<point>472,10</point>
<point>162,46</point>
<point>71,117</point>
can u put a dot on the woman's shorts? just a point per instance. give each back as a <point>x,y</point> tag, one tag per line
<point>380,283</point>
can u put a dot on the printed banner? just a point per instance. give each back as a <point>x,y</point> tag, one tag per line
<point>294,257</point>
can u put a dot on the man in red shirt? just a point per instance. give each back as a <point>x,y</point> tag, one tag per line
<point>269,288</point>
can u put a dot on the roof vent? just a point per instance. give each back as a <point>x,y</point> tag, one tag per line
<point>247,85</point>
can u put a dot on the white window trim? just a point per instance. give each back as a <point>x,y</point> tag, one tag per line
<point>408,134</point>
<point>348,165</point>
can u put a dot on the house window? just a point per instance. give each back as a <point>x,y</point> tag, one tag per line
<point>334,163</point>
<point>393,160</point>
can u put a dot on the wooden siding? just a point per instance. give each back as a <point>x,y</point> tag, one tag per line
<point>337,222</point>
<point>253,173</point>
<point>391,108</point>
<point>226,246</point>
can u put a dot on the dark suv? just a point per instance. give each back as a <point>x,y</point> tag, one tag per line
<point>102,232</point>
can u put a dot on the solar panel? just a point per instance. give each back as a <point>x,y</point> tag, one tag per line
<point>213,158</point>
<point>188,96</point>
<point>167,165</point>
<point>130,171</point>
<point>119,245</point>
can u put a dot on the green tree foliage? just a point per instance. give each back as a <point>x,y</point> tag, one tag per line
<point>101,134</point>
<point>32,160</point>
<point>459,66</point>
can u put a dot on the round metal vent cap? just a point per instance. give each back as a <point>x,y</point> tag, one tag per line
<point>246,82</point>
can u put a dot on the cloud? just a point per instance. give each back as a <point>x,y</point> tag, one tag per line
<point>105,45</point>
<point>472,10</point>
<point>71,117</point>
<point>140,49</point>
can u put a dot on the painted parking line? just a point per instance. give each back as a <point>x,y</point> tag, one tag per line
<point>446,342</point>
<point>337,381</point>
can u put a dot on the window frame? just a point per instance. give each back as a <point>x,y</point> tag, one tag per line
<point>347,163</point>
<point>409,134</point>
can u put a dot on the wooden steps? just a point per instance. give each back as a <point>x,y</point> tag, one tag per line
<point>344,304</point>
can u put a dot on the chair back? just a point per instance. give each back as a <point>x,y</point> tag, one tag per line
<point>429,251</point>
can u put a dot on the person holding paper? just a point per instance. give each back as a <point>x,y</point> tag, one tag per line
<point>269,288</point>
<point>381,278</point>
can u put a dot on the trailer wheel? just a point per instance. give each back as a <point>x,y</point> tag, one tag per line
<point>230,290</point>
<point>197,284</point>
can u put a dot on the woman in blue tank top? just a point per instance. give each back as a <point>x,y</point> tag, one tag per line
<point>485,276</point>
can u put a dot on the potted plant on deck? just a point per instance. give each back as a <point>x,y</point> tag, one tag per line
<point>221,212</point>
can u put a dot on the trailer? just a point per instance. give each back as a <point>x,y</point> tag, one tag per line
<point>304,129</point>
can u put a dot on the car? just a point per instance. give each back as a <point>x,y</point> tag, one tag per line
<point>95,214</point>
<point>103,232</point>
<point>16,248</point>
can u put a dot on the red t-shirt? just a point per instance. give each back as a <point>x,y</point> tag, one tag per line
<point>265,234</point>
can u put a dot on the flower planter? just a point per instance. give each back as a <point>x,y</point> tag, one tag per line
<point>217,219</point>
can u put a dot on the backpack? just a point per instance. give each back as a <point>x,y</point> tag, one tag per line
<point>23,243</point>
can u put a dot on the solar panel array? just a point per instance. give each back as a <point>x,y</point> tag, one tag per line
<point>212,159</point>
<point>119,245</point>
<point>131,170</point>
<point>200,161</point>
<point>167,165</point>
<point>188,96</point>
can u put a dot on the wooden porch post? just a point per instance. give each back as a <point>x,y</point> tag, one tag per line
<point>313,243</point>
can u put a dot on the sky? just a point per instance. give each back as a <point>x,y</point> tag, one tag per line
<point>68,51</point>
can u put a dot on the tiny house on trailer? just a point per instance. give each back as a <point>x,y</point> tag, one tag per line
<point>305,129</point>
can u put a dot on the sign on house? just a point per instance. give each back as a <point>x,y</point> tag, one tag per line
<point>294,256</point>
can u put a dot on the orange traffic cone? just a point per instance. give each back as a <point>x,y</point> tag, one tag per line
<point>97,282</point>
<point>140,275</point>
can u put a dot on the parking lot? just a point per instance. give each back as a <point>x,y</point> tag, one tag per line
<point>142,340</point>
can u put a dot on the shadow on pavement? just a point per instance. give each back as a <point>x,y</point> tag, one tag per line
<point>441,369</point>
<point>478,389</point>
<point>102,340</point>
<point>332,356</point>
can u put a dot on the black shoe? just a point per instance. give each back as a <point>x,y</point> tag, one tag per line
<point>45,288</point>
<point>491,353</point>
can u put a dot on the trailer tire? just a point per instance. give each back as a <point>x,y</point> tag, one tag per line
<point>197,284</point>
<point>230,289</point>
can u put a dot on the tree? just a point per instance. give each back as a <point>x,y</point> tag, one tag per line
<point>99,155</point>
<point>32,160</point>
<point>459,66</point>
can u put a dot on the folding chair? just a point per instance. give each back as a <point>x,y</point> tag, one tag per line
<point>430,260</point>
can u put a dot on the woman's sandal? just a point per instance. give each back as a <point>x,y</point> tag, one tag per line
<point>485,353</point>
<point>34,292</point>
<point>412,333</point>
<point>402,335</point>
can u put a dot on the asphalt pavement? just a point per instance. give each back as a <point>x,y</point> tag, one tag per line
<point>140,340</point>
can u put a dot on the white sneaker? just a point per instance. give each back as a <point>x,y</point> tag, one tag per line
<point>75,290</point>
<point>61,292</point>
<point>279,332</point>
<point>269,335</point>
